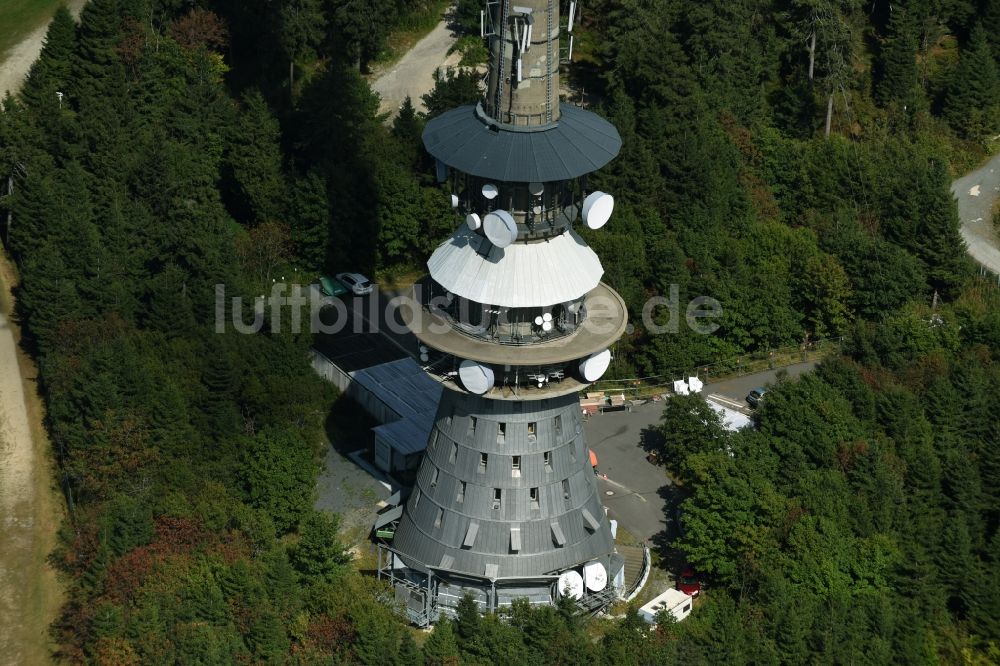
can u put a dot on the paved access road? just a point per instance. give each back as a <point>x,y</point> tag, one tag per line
<point>641,490</point>
<point>976,194</point>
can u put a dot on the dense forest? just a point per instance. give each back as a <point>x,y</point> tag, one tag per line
<point>790,158</point>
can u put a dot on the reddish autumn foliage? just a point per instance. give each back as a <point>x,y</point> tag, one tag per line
<point>200,28</point>
<point>178,534</point>
<point>129,573</point>
<point>331,634</point>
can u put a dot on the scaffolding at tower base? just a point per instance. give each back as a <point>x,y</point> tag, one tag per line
<point>426,597</point>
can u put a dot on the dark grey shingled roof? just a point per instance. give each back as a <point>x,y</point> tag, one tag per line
<point>579,143</point>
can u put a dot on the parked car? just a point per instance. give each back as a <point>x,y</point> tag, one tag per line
<point>688,583</point>
<point>356,282</point>
<point>331,287</point>
<point>755,396</point>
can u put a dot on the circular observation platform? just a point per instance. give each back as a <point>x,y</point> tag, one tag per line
<point>605,323</point>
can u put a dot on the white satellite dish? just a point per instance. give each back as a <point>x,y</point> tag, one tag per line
<point>539,321</point>
<point>490,191</point>
<point>500,228</point>
<point>476,377</point>
<point>570,213</point>
<point>595,576</point>
<point>454,201</point>
<point>547,316</point>
<point>473,221</point>
<point>536,189</point>
<point>547,326</point>
<point>571,584</point>
<point>595,365</point>
<point>423,349</point>
<point>597,209</point>
<point>573,307</point>
<point>424,358</point>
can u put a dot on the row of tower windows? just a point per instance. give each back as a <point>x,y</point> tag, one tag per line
<point>497,498</point>
<point>502,428</point>
<point>515,461</point>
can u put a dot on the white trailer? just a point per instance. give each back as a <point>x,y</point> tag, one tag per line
<point>672,601</point>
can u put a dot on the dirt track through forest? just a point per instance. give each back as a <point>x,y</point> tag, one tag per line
<point>29,594</point>
<point>413,75</point>
<point>15,63</point>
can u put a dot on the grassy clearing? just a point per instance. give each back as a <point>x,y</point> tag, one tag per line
<point>19,17</point>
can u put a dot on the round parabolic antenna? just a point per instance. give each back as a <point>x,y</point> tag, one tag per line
<point>571,584</point>
<point>547,316</point>
<point>597,209</point>
<point>500,228</point>
<point>476,377</point>
<point>536,189</point>
<point>473,221</point>
<point>547,326</point>
<point>539,320</point>
<point>594,366</point>
<point>454,201</point>
<point>490,191</point>
<point>595,576</point>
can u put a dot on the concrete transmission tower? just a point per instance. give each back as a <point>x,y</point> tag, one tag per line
<point>515,320</point>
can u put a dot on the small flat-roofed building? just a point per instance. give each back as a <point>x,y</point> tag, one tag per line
<point>404,398</point>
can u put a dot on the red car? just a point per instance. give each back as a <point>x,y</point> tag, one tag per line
<point>688,583</point>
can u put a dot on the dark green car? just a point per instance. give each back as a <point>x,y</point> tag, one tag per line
<point>331,287</point>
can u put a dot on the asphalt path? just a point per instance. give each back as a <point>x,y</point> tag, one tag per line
<point>976,193</point>
<point>641,493</point>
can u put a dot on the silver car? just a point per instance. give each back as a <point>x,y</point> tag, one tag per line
<point>356,282</point>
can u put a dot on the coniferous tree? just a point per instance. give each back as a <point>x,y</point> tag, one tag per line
<point>309,219</point>
<point>972,102</point>
<point>441,648</point>
<point>254,157</point>
<point>409,653</point>
<point>898,63</point>
<point>97,69</point>
<point>51,72</point>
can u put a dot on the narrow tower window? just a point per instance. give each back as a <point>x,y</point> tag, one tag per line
<point>461,493</point>
<point>515,466</point>
<point>483,459</point>
<point>532,429</point>
<point>558,425</point>
<point>497,497</point>
<point>501,432</point>
<point>434,477</point>
<point>454,452</point>
<point>547,459</point>
<point>439,519</point>
<point>533,497</point>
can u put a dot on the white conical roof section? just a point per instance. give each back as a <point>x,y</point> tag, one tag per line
<point>536,274</point>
